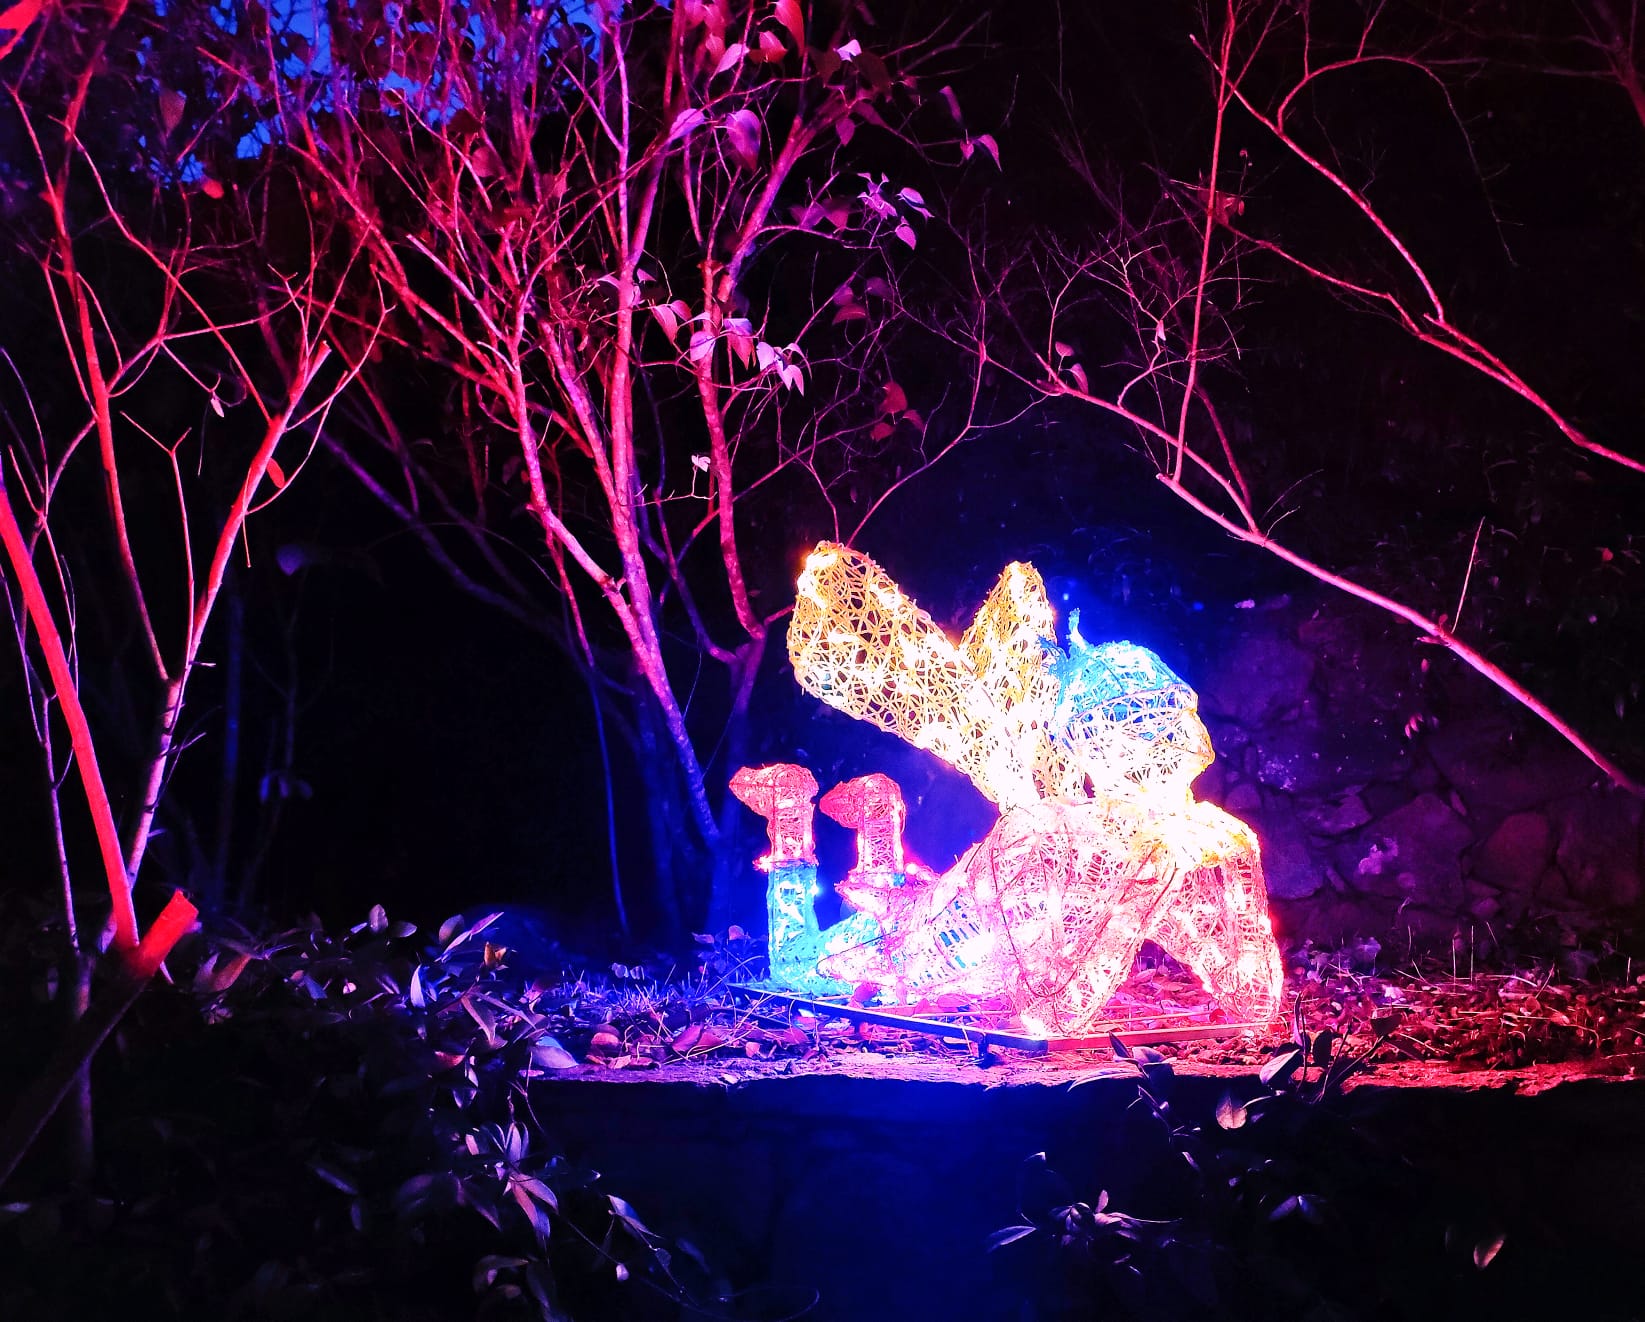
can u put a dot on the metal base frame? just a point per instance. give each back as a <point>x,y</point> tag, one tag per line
<point>985,1040</point>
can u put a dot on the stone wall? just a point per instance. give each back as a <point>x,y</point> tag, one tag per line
<point>1404,802</point>
<point>861,1194</point>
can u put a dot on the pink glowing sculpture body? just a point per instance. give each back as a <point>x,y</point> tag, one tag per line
<point>1100,845</point>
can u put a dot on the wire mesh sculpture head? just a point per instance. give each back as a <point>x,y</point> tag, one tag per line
<point>1126,717</point>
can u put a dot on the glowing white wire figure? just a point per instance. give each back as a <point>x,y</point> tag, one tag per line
<point>1090,754</point>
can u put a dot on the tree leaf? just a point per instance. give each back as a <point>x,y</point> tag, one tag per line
<point>423,1194</point>
<point>1010,1235</point>
<point>172,104</point>
<point>488,1267</point>
<point>742,130</point>
<point>1230,1114</point>
<point>535,1214</point>
<point>789,15</point>
<point>276,474</point>
<point>539,1191</point>
<point>1306,1205</point>
<point>666,318</point>
<point>335,1178</point>
<point>905,232</point>
<point>913,198</point>
<point>872,69</point>
<point>733,56</point>
<point>1486,1250</point>
<point>226,975</point>
<point>1279,1065</point>
<point>687,121</point>
<point>467,932</point>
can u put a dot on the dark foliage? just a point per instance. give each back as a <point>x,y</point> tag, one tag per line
<point>1283,1201</point>
<point>336,1126</point>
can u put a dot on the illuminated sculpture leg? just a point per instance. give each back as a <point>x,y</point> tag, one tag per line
<point>782,794</point>
<point>935,939</point>
<point>1113,876</point>
<point>1072,906</point>
<point>900,949</point>
<point>1217,923</point>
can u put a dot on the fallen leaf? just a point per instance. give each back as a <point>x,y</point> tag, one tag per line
<point>548,1053</point>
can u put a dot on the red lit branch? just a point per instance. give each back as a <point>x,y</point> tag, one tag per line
<point>68,695</point>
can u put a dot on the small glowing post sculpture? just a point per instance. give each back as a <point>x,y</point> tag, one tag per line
<point>1101,845</point>
<point>782,795</point>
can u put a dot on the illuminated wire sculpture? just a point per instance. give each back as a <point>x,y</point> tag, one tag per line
<point>1100,845</point>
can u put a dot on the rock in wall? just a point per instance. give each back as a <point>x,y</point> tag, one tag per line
<point>1399,798</point>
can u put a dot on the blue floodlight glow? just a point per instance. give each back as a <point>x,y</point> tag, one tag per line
<point>1119,682</point>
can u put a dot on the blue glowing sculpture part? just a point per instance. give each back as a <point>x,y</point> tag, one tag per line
<point>1124,688</point>
<point>798,944</point>
<point>1120,682</point>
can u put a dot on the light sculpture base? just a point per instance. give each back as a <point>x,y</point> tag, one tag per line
<point>1100,845</point>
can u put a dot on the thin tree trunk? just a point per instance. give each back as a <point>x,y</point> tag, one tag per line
<point>229,776</point>
<point>610,803</point>
<point>165,734</point>
<point>79,1130</point>
<point>658,772</point>
<point>80,1122</point>
<point>730,867</point>
<point>72,1059</point>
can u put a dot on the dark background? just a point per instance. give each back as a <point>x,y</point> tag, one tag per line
<point>450,758</point>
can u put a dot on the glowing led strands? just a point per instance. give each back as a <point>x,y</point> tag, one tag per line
<point>1100,845</point>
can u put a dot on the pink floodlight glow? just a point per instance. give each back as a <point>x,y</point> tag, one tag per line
<point>1100,844</point>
